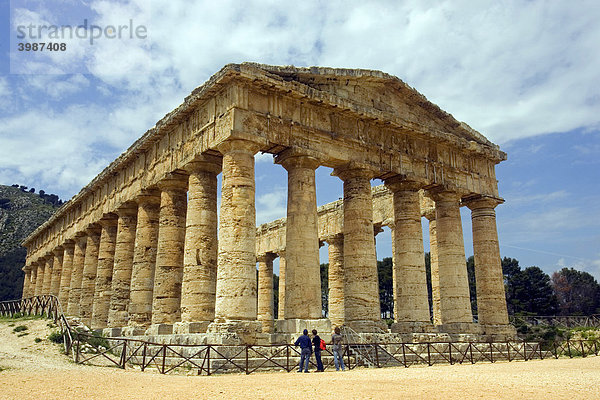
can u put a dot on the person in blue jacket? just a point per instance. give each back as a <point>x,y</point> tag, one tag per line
<point>305,350</point>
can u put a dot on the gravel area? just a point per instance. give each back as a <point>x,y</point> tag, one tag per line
<point>38,371</point>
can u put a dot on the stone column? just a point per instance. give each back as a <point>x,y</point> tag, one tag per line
<point>198,288</point>
<point>455,304</point>
<point>123,265</point>
<point>166,302</point>
<point>26,283</point>
<point>39,281</point>
<point>302,279</point>
<point>104,271</point>
<point>491,300</point>
<point>236,271</point>
<point>144,261</point>
<point>88,281</point>
<point>336,279</point>
<point>435,273</point>
<point>65,276</point>
<point>265,291</point>
<point>281,297</point>
<point>33,280</point>
<point>48,260</point>
<point>56,270</point>
<point>411,302</point>
<point>73,307</point>
<point>361,285</point>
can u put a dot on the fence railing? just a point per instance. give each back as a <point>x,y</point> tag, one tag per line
<point>566,321</point>
<point>208,359</point>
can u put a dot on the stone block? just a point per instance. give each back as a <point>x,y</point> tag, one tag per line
<point>190,327</point>
<point>160,329</point>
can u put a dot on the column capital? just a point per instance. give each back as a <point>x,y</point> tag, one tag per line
<point>294,158</point>
<point>238,145</point>
<point>266,257</point>
<point>58,251</point>
<point>205,163</point>
<point>128,209</point>
<point>108,219</point>
<point>441,193</point>
<point>146,196</point>
<point>353,170</point>
<point>174,181</point>
<point>481,201</point>
<point>93,229</point>
<point>400,183</point>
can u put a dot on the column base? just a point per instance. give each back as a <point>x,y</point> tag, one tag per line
<point>111,332</point>
<point>460,328</point>
<point>183,328</point>
<point>368,326</point>
<point>133,331</point>
<point>248,332</point>
<point>295,326</point>
<point>268,326</point>
<point>159,329</point>
<point>413,327</point>
<point>499,332</point>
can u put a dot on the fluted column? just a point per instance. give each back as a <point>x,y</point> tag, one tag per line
<point>166,302</point>
<point>73,307</point>
<point>144,259</point>
<point>281,297</point>
<point>104,271</point>
<point>33,279</point>
<point>56,270</point>
<point>303,286</point>
<point>265,291</point>
<point>236,271</point>
<point>434,267</point>
<point>48,262</point>
<point>26,282</point>
<point>336,279</point>
<point>65,276</point>
<point>39,282</point>
<point>361,288</point>
<point>455,304</point>
<point>491,300</point>
<point>123,265</point>
<point>88,281</point>
<point>198,290</point>
<point>411,303</point>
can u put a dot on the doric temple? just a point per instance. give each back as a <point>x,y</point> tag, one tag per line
<point>142,250</point>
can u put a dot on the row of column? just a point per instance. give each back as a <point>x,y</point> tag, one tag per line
<point>154,261</point>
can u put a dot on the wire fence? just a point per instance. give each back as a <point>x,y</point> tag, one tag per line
<point>208,359</point>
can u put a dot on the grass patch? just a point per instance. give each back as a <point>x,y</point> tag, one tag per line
<point>37,340</point>
<point>19,317</point>
<point>56,337</point>
<point>20,328</point>
<point>23,334</point>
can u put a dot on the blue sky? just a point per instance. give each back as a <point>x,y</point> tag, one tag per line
<point>523,73</point>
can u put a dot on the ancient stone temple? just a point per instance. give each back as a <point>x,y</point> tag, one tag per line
<point>142,250</point>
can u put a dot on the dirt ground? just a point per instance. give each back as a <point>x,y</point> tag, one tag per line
<point>38,371</point>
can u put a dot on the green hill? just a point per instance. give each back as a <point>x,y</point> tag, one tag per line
<point>21,212</point>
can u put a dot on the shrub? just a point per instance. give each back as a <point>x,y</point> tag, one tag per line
<point>37,340</point>
<point>20,328</point>
<point>56,337</point>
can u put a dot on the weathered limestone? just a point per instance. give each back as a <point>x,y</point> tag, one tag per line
<point>236,273</point>
<point>49,259</point>
<point>65,276</point>
<point>88,281</point>
<point>104,271</point>
<point>123,265</point>
<point>166,302</point>
<point>435,271</point>
<point>32,280</point>
<point>73,307</point>
<point>39,281</point>
<point>302,283</point>
<point>455,304</point>
<point>265,292</point>
<point>411,304</point>
<point>56,270</point>
<point>491,303</point>
<point>26,283</point>
<point>201,246</point>
<point>144,260</point>
<point>336,280</point>
<point>361,287</point>
<point>281,298</point>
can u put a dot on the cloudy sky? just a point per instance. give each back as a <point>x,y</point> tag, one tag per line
<point>526,74</point>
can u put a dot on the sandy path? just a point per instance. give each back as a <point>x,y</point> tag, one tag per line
<point>33,374</point>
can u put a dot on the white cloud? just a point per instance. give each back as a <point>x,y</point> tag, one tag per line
<point>271,206</point>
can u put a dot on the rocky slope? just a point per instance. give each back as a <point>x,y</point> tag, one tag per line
<point>20,213</point>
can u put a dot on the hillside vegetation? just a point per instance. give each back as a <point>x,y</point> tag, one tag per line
<point>21,212</point>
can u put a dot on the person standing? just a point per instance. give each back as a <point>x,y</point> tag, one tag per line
<point>337,349</point>
<point>317,344</point>
<point>305,350</point>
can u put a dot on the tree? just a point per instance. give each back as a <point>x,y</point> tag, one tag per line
<point>325,289</point>
<point>472,284</point>
<point>528,291</point>
<point>386,287</point>
<point>578,292</point>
